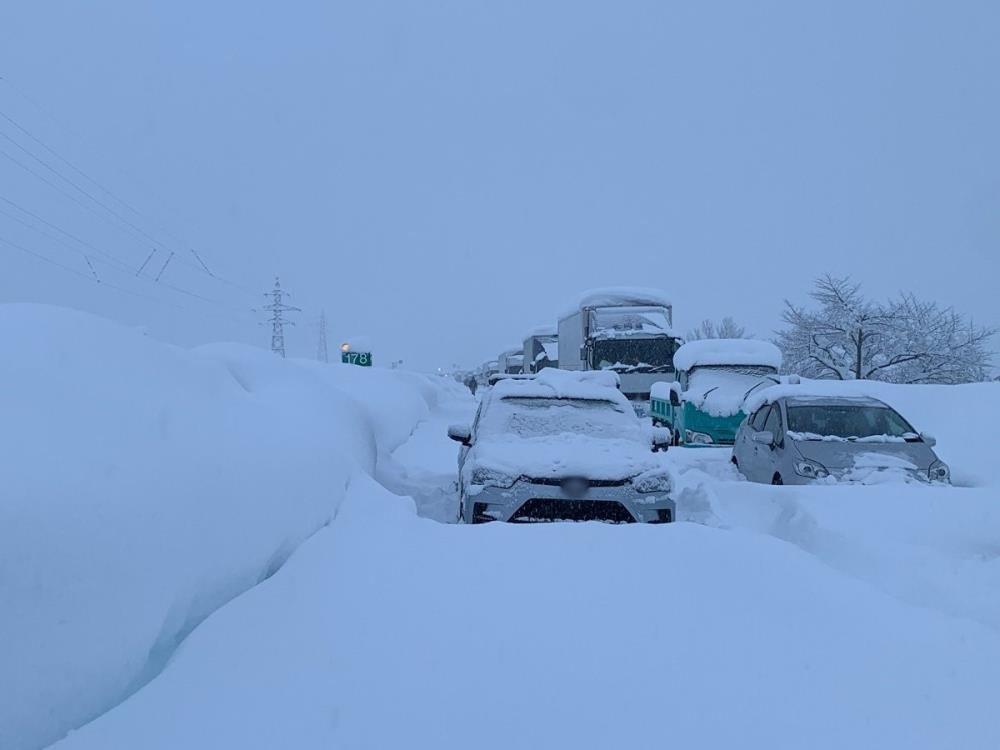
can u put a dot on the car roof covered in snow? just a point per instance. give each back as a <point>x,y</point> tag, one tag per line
<point>816,393</point>
<point>708,352</point>
<point>593,385</point>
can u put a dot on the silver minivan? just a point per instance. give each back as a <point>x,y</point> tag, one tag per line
<point>807,439</point>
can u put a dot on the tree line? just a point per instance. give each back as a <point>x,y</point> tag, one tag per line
<point>844,335</point>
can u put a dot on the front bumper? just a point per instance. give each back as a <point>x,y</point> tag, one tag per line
<point>868,475</point>
<point>534,501</point>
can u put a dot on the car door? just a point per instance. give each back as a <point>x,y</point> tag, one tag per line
<point>769,455</point>
<point>747,455</point>
<point>464,451</point>
<point>741,444</point>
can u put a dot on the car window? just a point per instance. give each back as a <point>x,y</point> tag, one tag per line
<point>848,422</point>
<point>773,422</point>
<point>757,423</point>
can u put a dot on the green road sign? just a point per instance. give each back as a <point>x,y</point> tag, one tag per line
<point>362,359</point>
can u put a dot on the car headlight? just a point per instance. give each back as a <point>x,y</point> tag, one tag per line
<point>653,481</point>
<point>811,469</point>
<point>697,438</point>
<point>493,478</point>
<point>939,472</point>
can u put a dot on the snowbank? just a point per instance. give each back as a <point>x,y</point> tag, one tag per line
<point>745,352</point>
<point>563,636</point>
<point>145,486</point>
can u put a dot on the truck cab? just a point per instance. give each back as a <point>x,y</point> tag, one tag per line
<point>541,349</point>
<point>626,330</point>
<point>714,379</point>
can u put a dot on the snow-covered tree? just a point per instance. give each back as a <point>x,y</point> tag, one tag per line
<point>906,340</point>
<point>726,329</point>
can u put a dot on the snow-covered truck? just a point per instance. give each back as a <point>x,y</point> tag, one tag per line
<point>624,329</point>
<point>511,362</point>
<point>541,349</point>
<point>714,378</point>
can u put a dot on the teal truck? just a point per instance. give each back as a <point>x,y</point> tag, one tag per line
<point>704,406</point>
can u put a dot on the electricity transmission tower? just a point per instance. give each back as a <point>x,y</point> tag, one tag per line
<point>321,353</point>
<point>278,308</point>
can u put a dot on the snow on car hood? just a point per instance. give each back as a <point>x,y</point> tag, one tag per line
<point>565,456</point>
<point>872,454</point>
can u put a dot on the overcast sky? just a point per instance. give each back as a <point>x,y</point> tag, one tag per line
<point>443,176</point>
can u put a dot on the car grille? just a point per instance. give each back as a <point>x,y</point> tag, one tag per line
<point>542,510</point>
<point>557,481</point>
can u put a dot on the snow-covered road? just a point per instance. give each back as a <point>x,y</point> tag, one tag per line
<point>770,619</point>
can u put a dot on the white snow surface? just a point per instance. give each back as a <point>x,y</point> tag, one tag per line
<point>146,485</point>
<point>555,383</point>
<point>775,618</point>
<point>727,352</point>
<point>662,388</point>
<point>722,393</point>
<point>548,329</point>
<point>619,296</point>
<point>386,630</point>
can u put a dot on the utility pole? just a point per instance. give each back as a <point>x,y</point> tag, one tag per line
<point>321,353</point>
<point>277,308</point>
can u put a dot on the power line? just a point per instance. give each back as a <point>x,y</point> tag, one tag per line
<point>164,266</point>
<point>201,264</point>
<point>124,290</point>
<point>146,262</point>
<point>110,258</point>
<point>113,260</point>
<point>69,195</point>
<point>45,258</point>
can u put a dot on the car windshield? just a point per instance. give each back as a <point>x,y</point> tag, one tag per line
<point>634,355</point>
<point>847,422</point>
<point>542,417</point>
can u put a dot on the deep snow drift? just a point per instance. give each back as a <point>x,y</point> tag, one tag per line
<point>145,486</point>
<point>387,631</point>
<point>775,617</point>
<point>770,617</point>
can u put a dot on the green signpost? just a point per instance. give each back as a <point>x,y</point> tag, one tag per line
<point>362,359</point>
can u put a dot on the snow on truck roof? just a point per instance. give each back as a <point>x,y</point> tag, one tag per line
<point>546,330</point>
<point>707,352</point>
<point>618,296</point>
<point>594,385</point>
<point>623,295</point>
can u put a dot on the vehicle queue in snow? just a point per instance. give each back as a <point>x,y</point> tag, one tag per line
<point>568,423</point>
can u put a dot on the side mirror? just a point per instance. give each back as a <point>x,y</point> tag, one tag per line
<point>460,433</point>
<point>662,439</point>
<point>675,399</point>
<point>764,438</point>
<point>929,439</point>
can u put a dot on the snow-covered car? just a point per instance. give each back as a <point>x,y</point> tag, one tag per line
<point>562,446</point>
<point>791,437</point>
